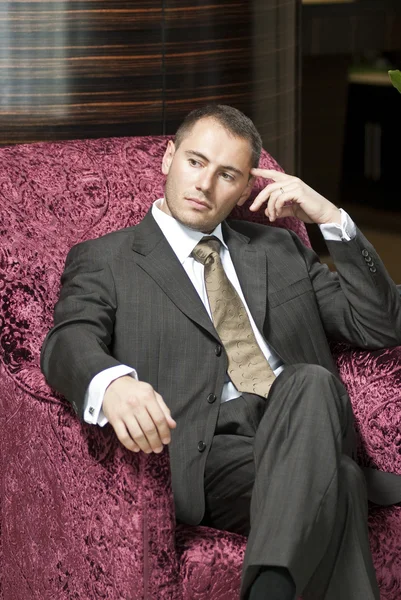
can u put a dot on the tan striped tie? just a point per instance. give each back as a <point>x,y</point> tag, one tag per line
<point>248,368</point>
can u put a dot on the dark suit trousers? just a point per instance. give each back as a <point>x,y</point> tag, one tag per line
<point>281,472</point>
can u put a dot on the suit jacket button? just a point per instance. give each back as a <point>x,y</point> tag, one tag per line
<point>201,446</point>
<point>217,350</point>
<point>365,252</point>
<point>211,398</point>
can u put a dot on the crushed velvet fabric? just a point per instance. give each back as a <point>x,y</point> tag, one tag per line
<point>82,517</point>
<point>373,381</point>
<point>210,562</point>
<point>54,196</point>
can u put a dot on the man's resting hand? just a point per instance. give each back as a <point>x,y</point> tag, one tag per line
<point>138,415</point>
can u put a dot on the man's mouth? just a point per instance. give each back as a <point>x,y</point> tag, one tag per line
<point>198,204</point>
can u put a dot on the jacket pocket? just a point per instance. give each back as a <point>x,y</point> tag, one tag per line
<point>290,292</point>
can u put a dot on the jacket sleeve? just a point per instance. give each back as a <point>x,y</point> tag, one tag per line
<point>78,345</point>
<point>359,303</point>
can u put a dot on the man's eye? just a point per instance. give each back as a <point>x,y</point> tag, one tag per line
<point>227,177</point>
<point>193,162</point>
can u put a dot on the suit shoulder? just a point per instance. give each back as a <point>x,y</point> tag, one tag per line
<point>105,245</point>
<point>112,239</point>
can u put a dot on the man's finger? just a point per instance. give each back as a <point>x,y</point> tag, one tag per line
<point>284,206</point>
<point>160,419</point>
<point>268,193</point>
<point>271,205</point>
<point>124,436</point>
<point>139,429</point>
<point>260,199</point>
<point>286,211</point>
<point>269,174</point>
<point>166,411</point>
<point>283,195</point>
<point>147,421</point>
<point>242,201</point>
<point>171,424</point>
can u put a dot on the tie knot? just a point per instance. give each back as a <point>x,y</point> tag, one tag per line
<point>205,248</point>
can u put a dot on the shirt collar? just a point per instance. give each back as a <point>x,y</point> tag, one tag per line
<point>182,239</point>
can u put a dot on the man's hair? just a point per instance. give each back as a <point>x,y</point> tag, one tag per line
<point>231,119</point>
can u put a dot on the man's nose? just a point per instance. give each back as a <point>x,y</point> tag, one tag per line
<point>205,181</point>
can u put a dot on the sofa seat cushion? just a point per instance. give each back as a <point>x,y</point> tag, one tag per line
<point>373,381</point>
<point>211,562</point>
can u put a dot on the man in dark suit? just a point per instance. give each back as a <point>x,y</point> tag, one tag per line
<point>212,337</point>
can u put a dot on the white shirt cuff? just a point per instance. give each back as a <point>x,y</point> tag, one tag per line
<point>334,232</point>
<point>93,413</point>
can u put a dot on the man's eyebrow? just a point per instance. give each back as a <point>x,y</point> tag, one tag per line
<point>203,157</point>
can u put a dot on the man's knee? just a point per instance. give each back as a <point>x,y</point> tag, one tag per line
<point>311,370</point>
<point>351,473</point>
<point>353,488</point>
<point>305,375</point>
<point>313,387</point>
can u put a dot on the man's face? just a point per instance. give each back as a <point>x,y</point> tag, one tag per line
<point>206,176</point>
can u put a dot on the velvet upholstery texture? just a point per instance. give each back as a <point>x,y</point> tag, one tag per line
<point>83,518</point>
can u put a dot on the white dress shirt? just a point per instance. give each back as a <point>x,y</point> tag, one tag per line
<point>183,240</point>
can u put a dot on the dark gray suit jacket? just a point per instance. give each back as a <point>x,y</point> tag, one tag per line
<point>126,298</point>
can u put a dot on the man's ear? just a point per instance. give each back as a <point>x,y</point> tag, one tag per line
<point>168,157</point>
<point>246,193</point>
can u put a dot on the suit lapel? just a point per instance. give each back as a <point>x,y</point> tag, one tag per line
<point>251,268</point>
<point>155,256</point>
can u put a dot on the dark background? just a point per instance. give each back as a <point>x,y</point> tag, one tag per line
<point>351,116</point>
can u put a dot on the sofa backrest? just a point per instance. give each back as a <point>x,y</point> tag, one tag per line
<point>54,195</point>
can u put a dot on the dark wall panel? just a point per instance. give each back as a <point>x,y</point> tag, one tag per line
<point>276,78</point>
<point>208,56</point>
<point>76,69</point>
<point>358,27</point>
<point>242,53</point>
<point>80,69</point>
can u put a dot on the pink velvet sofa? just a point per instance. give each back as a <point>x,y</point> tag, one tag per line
<point>82,517</point>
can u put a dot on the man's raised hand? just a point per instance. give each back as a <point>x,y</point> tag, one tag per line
<point>138,415</point>
<point>289,196</point>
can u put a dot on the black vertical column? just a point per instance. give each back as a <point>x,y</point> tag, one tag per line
<point>276,78</point>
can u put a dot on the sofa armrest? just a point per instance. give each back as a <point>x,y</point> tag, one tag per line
<point>373,381</point>
<point>82,516</point>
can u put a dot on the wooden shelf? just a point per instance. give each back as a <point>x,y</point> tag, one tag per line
<point>370,78</point>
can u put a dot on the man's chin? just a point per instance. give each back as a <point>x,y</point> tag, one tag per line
<point>202,225</point>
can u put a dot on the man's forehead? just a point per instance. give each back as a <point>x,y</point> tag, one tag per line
<point>208,139</point>
<point>211,128</point>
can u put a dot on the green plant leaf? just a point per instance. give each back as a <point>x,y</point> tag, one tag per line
<point>395,77</point>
